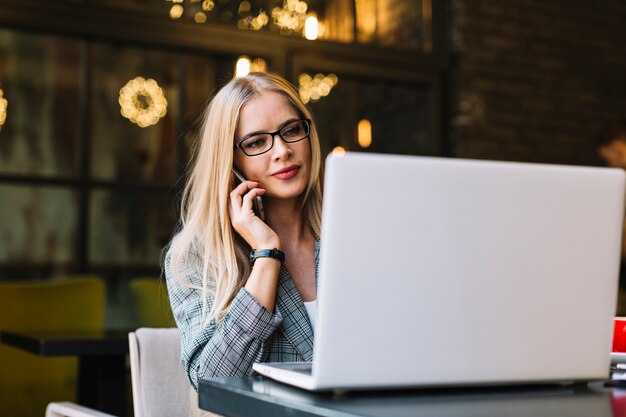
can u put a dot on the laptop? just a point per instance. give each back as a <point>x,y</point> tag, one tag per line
<point>447,272</point>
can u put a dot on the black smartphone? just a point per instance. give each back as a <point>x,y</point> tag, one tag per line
<point>257,203</point>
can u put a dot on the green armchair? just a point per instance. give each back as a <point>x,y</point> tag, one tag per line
<point>152,302</point>
<point>28,382</point>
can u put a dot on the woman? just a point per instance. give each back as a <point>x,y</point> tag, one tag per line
<point>234,306</point>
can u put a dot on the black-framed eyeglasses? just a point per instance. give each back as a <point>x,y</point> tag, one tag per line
<point>259,143</point>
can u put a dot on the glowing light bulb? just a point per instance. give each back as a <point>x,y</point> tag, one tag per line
<point>242,67</point>
<point>311,28</point>
<point>364,130</point>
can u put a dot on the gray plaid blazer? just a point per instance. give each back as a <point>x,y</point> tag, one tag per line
<point>249,333</point>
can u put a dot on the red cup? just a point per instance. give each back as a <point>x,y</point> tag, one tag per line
<point>619,335</point>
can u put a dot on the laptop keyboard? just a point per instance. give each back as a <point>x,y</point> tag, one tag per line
<point>300,367</point>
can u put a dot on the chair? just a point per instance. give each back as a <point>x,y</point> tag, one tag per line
<point>160,385</point>
<point>28,382</point>
<point>152,302</point>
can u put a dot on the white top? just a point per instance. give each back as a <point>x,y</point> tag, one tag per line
<point>311,309</point>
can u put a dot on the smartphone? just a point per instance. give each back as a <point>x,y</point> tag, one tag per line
<point>257,203</point>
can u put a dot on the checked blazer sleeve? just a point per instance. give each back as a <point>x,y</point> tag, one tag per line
<point>229,349</point>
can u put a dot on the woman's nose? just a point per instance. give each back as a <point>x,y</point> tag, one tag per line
<point>280,146</point>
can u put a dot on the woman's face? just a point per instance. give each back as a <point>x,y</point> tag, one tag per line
<point>284,170</point>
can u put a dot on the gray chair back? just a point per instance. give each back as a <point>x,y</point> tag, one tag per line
<point>160,385</point>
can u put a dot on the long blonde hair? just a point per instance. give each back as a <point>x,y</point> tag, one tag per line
<point>205,226</point>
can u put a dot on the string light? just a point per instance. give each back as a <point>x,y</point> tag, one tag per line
<point>254,22</point>
<point>200,17</point>
<point>314,88</point>
<point>244,7</point>
<point>176,11</point>
<point>142,102</point>
<point>291,16</point>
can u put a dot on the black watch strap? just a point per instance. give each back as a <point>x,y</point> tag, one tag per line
<point>267,253</point>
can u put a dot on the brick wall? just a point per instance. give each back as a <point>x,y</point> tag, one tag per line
<point>535,80</point>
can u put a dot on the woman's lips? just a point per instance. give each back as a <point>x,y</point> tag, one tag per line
<point>285,175</point>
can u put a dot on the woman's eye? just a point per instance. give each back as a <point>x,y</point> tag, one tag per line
<point>292,131</point>
<point>255,143</point>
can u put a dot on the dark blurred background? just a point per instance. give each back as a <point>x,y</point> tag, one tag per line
<point>85,190</point>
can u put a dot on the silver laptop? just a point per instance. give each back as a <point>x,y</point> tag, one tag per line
<point>444,272</point>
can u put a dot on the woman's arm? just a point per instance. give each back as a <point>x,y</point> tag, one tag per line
<point>231,348</point>
<point>263,279</point>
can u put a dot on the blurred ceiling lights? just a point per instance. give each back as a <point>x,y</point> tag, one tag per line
<point>253,22</point>
<point>142,101</point>
<point>244,66</point>
<point>291,18</point>
<point>3,108</point>
<point>314,88</point>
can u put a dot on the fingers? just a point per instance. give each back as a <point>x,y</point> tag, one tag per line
<point>244,186</point>
<point>237,193</point>
<point>248,199</point>
<point>242,196</point>
<point>245,221</point>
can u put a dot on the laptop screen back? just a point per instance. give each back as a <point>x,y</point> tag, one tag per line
<point>438,271</point>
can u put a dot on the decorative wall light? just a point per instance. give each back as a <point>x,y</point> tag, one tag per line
<point>142,101</point>
<point>3,108</point>
<point>314,88</point>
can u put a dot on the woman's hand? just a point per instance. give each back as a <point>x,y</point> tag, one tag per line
<point>245,221</point>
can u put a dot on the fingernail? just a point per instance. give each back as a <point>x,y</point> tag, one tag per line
<point>255,180</point>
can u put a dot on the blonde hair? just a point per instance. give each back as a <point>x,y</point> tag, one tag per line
<point>205,226</point>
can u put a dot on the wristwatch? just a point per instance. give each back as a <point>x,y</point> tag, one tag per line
<point>267,253</point>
